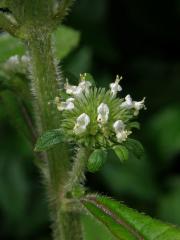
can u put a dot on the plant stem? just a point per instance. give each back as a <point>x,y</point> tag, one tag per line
<point>76,178</point>
<point>77,174</point>
<point>45,86</point>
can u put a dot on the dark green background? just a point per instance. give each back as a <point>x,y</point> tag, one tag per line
<point>139,40</point>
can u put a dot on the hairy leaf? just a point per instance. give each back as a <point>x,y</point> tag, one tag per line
<point>49,139</point>
<point>127,224</point>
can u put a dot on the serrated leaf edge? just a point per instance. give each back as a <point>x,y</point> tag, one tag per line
<point>93,200</point>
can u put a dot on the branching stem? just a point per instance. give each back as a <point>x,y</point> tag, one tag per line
<point>45,85</point>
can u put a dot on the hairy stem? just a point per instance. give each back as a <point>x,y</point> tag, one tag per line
<point>45,86</point>
<point>76,178</point>
<point>77,174</point>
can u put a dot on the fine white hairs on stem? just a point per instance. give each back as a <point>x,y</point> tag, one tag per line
<point>81,123</point>
<point>115,87</point>
<point>103,113</point>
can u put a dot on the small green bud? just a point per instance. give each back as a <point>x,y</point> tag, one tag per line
<point>78,191</point>
<point>96,160</point>
<point>121,152</point>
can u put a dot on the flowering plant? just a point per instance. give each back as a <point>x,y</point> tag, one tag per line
<point>95,118</point>
<point>74,127</point>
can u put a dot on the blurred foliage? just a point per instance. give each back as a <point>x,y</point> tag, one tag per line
<point>65,39</point>
<point>138,39</point>
<point>133,225</point>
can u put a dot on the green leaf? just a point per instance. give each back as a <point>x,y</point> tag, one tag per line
<point>164,132</point>
<point>127,224</point>
<point>94,231</point>
<point>135,147</point>
<point>49,139</point>
<point>171,197</point>
<point>96,160</point>
<point>14,110</point>
<point>121,152</point>
<point>134,125</point>
<point>10,46</point>
<point>66,40</point>
<point>3,82</point>
<point>3,4</point>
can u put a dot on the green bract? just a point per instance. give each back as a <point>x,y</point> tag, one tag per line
<point>96,117</point>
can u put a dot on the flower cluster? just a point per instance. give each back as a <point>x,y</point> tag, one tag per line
<point>17,63</point>
<point>95,117</point>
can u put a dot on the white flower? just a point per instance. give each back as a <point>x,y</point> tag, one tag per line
<point>67,105</point>
<point>138,106</point>
<point>72,89</point>
<point>14,59</point>
<point>12,64</point>
<point>122,135</point>
<point>77,90</point>
<point>103,113</point>
<point>85,85</point>
<point>81,123</point>
<point>115,87</point>
<point>128,103</point>
<point>118,126</point>
<point>17,63</point>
